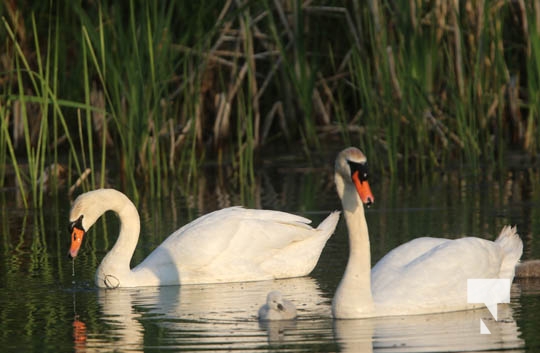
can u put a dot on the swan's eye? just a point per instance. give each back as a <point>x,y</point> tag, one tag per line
<point>361,168</point>
<point>76,224</point>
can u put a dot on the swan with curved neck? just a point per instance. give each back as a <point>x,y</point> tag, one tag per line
<point>425,275</point>
<point>229,245</point>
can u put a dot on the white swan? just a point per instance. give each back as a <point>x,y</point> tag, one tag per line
<point>230,245</point>
<point>425,275</point>
<point>277,308</point>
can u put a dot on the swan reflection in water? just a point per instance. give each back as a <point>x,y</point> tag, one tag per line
<point>224,316</point>
<point>204,316</point>
<point>445,332</point>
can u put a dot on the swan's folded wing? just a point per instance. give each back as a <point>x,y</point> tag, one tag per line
<point>230,233</point>
<point>439,276</point>
<point>392,264</point>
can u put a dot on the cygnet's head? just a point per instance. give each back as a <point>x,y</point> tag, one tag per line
<point>274,300</point>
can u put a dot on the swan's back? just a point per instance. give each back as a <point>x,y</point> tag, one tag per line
<point>238,244</point>
<point>429,273</point>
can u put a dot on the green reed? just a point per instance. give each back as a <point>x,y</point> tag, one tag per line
<point>439,82</point>
<point>532,133</point>
<point>150,92</point>
<point>37,113</point>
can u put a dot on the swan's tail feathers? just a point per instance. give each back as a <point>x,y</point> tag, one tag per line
<point>512,246</point>
<point>328,226</point>
<point>300,257</point>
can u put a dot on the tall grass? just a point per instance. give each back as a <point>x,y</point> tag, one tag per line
<point>34,115</point>
<point>445,82</point>
<point>149,92</point>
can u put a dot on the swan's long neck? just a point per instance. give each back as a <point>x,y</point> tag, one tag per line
<point>353,297</point>
<point>117,261</point>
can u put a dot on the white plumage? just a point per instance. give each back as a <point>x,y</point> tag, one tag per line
<point>425,275</point>
<point>277,308</point>
<point>430,275</point>
<point>230,245</point>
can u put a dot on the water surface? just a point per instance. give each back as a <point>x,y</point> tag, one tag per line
<point>44,308</point>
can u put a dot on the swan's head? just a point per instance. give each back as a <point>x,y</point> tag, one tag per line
<point>86,209</point>
<point>351,167</point>
<point>274,300</point>
<point>77,234</point>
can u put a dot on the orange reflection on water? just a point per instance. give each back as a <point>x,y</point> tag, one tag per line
<point>79,334</point>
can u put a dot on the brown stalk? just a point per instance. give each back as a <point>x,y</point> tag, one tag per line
<point>537,15</point>
<point>525,25</point>
<point>79,181</point>
<point>393,74</point>
<point>247,39</point>
<point>458,48</point>
<point>277,109</point>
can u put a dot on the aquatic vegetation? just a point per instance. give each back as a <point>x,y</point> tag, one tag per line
<point>151,92</point>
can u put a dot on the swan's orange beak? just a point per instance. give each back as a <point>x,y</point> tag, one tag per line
<point>77,236</point>
<point>363,189</point>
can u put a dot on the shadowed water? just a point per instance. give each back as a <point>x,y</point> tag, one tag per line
<point>43,308</point>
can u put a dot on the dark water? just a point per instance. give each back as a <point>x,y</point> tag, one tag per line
<point>43,308</point>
